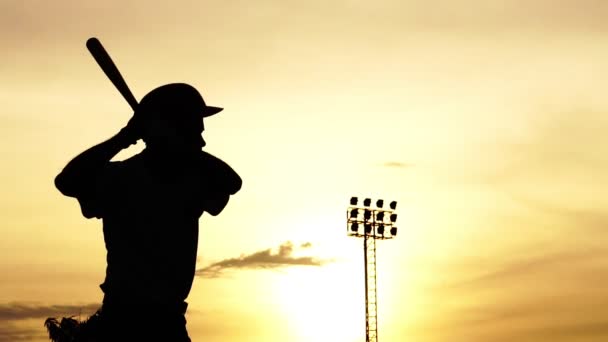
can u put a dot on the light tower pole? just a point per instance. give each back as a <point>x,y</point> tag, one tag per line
<point>377,224</point>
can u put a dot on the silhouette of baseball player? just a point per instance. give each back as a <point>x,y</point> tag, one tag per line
<point>150,205</point>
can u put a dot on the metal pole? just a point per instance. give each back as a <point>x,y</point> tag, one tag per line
<point>366,287</point>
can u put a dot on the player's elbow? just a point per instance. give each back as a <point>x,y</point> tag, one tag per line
<point>64,185</point>
<point>216,206</point>
<point>88,214</point>
<point>89,209</point>
<point>236,185</point>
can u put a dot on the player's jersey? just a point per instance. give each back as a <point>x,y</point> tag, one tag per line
<point>150,223</point>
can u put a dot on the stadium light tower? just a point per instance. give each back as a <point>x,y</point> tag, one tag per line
<point>376,224</point>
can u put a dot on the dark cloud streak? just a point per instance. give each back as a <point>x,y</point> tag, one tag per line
<point>265,259</point>
<point>396,164</point>
<point>532,266</point>
<point>14,318</point>
<point>20,311</point>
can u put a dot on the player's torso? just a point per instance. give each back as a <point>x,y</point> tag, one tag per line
<point>151,227</point>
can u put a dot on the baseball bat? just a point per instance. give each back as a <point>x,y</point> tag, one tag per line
<point>109,68</point>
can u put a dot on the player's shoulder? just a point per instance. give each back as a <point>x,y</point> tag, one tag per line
<point>130,165</point>
<point>209,160</point>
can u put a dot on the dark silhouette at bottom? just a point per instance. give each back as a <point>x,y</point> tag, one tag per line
<point>116,324</point>
<point>150,205</point>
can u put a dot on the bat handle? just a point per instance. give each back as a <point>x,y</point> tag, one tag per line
<point>132,102</point>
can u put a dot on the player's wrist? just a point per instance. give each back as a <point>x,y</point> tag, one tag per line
<point>125,138</point>
<point>129,134</point>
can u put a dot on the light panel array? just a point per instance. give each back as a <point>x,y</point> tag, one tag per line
<point>372,221</point>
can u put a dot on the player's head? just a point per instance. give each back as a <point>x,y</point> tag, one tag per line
<point>171,118</point>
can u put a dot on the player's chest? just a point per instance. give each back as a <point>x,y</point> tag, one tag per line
<point>150,194</point>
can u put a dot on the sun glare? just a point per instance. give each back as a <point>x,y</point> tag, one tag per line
<point>324,303</point>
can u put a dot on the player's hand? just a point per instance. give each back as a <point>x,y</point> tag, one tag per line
<point>131,132</point>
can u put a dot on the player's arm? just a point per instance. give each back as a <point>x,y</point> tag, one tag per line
<point>81,170</point>
<point>80,176</point>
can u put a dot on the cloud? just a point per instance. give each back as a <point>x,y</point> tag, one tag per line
<point>554,317</point>
<point>264,259</point>
<point>593,329</point>
<point>543,267</point>
<point>10,332</point>
<point>553,172</point>
<point>14,317</point>
<point>21,311</point>
<point>396,164</point>
<point>556,146</point>
<point>557,295</point>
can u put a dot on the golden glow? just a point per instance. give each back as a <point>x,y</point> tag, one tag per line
<point>323,304</point>
<point>485,119</point>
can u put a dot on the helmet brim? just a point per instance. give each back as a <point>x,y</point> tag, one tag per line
<point>210,110</point>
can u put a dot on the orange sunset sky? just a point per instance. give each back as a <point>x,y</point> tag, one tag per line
<point>485,119</point>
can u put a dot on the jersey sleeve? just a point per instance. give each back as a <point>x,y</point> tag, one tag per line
<point>222,177</point>
<point>218,181</point>
<point>95,196</point>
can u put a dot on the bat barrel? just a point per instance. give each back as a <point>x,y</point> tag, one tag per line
<point>106,63</point>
